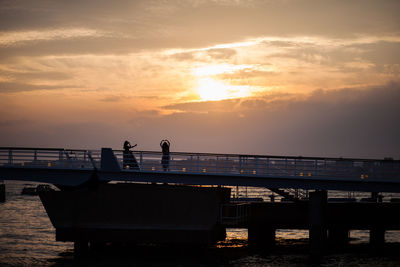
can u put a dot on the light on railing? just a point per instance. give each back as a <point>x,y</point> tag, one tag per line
<point>204,170</point>
<point>364,176</point>
<point>49,164</point>
<point>309,174</point>
<point>153,168</point>
<point>22,164</point>
<point>241,171</point>
<point>301,174</point>
<point>254,172</point>
<point>184,169</point>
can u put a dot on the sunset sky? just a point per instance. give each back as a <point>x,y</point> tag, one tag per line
<point>283,77</point>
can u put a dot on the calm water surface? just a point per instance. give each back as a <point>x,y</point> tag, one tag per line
<point>27,238</point>
<point>26,233</point>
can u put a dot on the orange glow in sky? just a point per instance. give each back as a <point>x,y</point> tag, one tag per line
<point>207,74</point>
<point>209,88</point>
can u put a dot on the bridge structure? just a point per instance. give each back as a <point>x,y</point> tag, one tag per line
<point>71,167</point>
<point>74,167</point>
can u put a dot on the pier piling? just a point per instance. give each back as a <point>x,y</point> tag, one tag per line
<point>2,192</point>
<point>338,237</point>
<point>377,237</point>
<point>81,248</point>
<point>261,236</point>
<point>317,222</point>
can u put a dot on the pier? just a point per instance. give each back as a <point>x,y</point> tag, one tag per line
<point>328,222</point>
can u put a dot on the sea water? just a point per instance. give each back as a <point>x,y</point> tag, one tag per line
<point>27,237</point>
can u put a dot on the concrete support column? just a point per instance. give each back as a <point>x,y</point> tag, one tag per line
<point>2,192</point>
<point>261,236</point>
<point>97,248</point>
<point>338,237</point>
<point>317,222</point>
<point>376,197</point>
<point>81,248</point>
<point>377,237</point>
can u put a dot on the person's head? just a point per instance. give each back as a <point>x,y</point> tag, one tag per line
<point>165,146</point>
<point>127,145</point>
<point>165,142</point>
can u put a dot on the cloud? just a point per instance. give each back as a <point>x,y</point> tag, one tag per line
<point>35,75</point>
<point>204,55</point>
<point>247,74</point>
<point>76,46</point>
<point>222,53</point>
<point>111,98</point>
<point>185,56</point>
<point>12,87</point>
<point>360,122</point>
<point>237,105</point>
<point>381,52</point>
<point>204,106</point>
<point>347,122</point>
<point>209,22</point>
<point>282,43</point>
<point>7,123</point>
<point>18,38</point>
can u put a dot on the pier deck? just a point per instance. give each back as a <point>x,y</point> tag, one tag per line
<point>73,167</point>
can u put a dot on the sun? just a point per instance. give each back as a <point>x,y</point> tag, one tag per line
<point>209,88</point>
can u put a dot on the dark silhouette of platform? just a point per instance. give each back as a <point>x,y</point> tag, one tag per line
<point>66,167</point>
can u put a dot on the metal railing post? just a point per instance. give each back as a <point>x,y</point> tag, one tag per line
<point>91,160</point>
<point>316,167</point>
<point>227,169</point>
<point>352,168</point>
<point>141,160</point>
<point>240,164</point>
<point>169,163</point>
<point>256,165</point>
<point>286,166</point>
<point>10,157</point>
<point>216,165</point>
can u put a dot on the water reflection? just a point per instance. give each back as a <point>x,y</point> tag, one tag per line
<point>26,234</point>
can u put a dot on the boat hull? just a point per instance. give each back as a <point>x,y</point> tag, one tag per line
<point>138,213</point>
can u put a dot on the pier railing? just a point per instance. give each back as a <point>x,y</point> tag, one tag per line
<point>207,164</point>
<point>266,166</point>
<point>50,158</point>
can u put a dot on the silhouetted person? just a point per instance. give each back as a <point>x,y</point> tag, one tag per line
<point>129,160</point>
<point>165,144</point>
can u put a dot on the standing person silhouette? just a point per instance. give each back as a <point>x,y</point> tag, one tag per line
<point>129,160</point>
<point>165,144</point>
